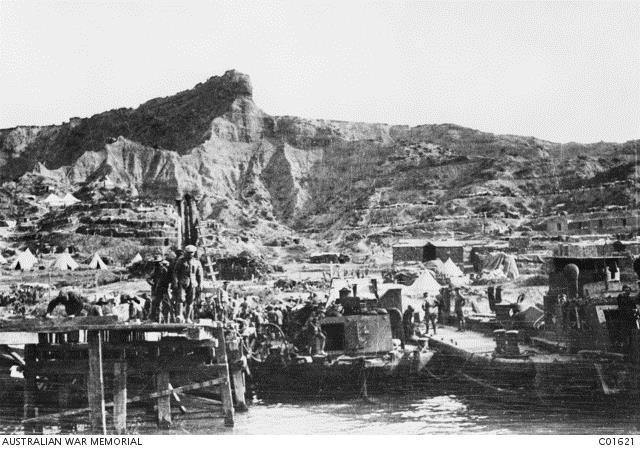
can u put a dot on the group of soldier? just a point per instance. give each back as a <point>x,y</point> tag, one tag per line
<point>436,309</point>
<point>176,287</point>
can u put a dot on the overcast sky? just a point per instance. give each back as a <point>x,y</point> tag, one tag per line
<point>558,71</point>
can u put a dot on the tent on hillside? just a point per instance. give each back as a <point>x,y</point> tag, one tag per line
<point>25,261</point>
<point>69,199</point>
<point>136,259</point>
<point>2,260</point>
<point>64,262</point>
<point>450,269</point>
<point>436,265</point>
<point>510,267</point>
<point>97,263</point>
<point>500,262</point>
<point>53,200</point>
<point>425,283</point>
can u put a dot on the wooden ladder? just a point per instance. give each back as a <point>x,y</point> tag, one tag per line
<point>204,244</point>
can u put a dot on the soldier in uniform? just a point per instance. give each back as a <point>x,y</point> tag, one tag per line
<point>74,305</point>
<point>430,308</point>
<point>407,322</point>
<point>160,296</point>
<point>174,285</point>
<point>187,277</point>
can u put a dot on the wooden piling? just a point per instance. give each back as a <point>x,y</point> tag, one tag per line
<point>225,388</point>
<point>164,402</point>
<point>64,401</point>
<point>30,387</point>
<point>95,384</point>
<point>120,348</point>
<point>120,394</point>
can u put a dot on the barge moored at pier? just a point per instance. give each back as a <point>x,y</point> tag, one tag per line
<point>585,348</point>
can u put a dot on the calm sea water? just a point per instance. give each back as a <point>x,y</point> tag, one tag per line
<point>424,411</point>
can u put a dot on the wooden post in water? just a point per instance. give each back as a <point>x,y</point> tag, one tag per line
<point>120,394</point>
<point>30,387</point>
<point>95,384</point>
<point>64,401</point>
<point>225,388</point>
<point>164,402</point>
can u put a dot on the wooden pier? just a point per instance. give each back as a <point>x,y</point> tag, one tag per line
<point>99,362</point>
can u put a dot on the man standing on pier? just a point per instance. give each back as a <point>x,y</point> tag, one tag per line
<point>160,281</point>
<point>430,308</point>
<point>188,277</point>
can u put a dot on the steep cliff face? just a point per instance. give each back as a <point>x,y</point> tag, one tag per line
<point>251,170</point>
<point>257,177</point>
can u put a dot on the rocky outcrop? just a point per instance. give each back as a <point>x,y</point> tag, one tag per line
<point>305,133</point>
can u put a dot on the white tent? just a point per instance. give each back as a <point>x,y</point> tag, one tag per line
<point>450,269</point>
<point>53,200</point>
<point>69,199</point>
<point>97,263</point>
<point>435,265</point>
<point>136,259</point>
<point>64,262</point>
<point>25,261</point>
<point>499,265</point>
<point>2,260</point>
<point>510,267</point>
<point>425,283</point>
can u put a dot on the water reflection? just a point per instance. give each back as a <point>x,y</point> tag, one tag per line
<point>421,412</point>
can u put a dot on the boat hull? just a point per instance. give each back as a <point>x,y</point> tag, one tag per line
<point>306,376</point>
<point>546,376</point>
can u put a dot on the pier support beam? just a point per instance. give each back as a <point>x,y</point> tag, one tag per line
<point>64,401</point>
<point>30,389</point>
<point>225,388</point>
<point>95,384</point>
<point>120,394</point>
<point>164,402</point>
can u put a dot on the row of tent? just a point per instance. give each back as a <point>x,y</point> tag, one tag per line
<point>424,283</point>
<point>26,260</point>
